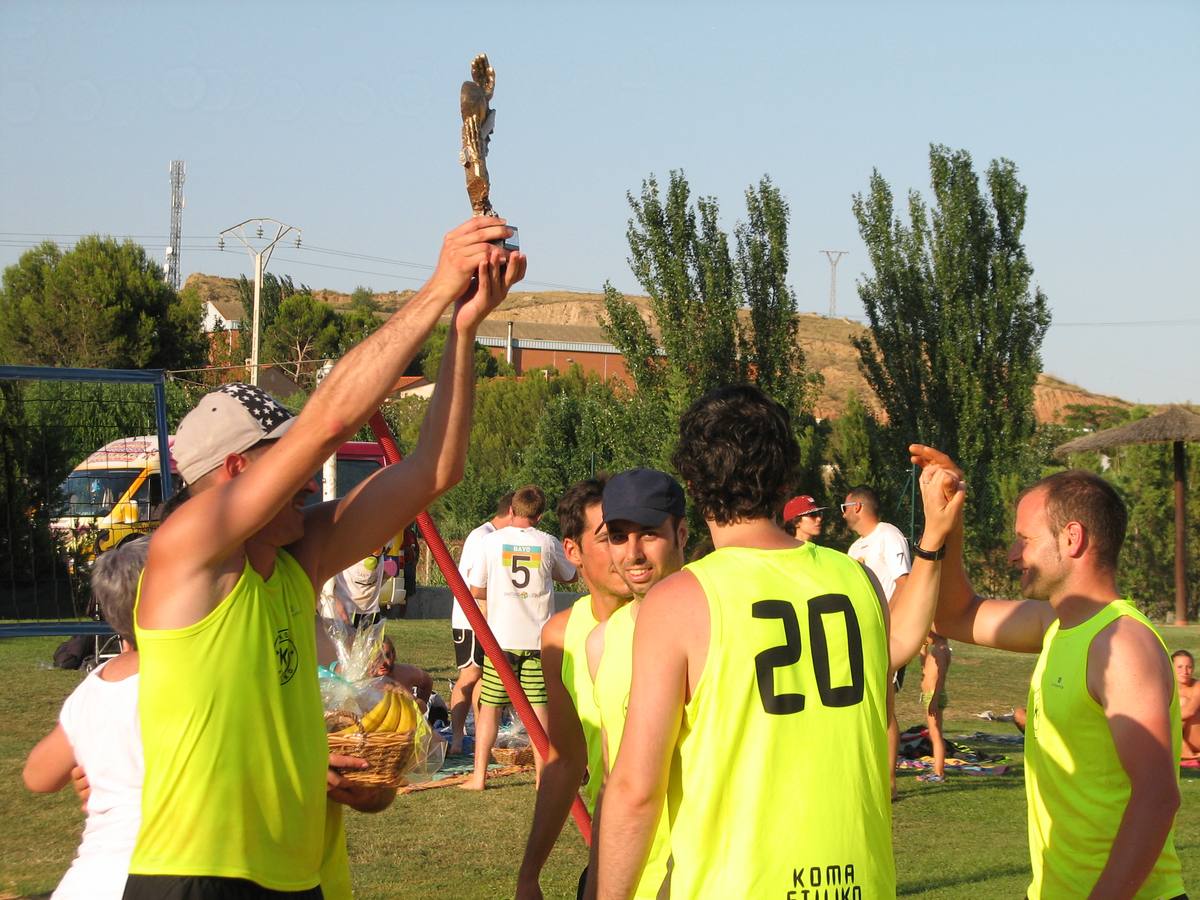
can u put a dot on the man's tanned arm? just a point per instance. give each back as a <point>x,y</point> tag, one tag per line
<point>962,614</point>
<point>913,607</point>
<point>1129,676</point>
<point>372,513</point>
<point>565,765</point>
<point>195,546</point>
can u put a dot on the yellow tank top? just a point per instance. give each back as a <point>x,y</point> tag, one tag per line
<point>1074,782</point>
<point>613,678</point>
<point>578,681</point>
<point>784,740</point>
<point>335,862</point>
<point>234,738</point>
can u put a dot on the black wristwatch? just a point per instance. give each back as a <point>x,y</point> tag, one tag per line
<point>931,555</point>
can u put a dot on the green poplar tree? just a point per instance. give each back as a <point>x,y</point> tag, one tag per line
<point>955,326</point>
<point>717,318</point>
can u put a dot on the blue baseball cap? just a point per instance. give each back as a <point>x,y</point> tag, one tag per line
<point>644,496</point>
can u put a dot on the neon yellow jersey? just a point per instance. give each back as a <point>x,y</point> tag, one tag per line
<point>784,739</point>
<point>613,677</point>
<point>1074,782</point>
<point>578,681</point>
<point>335,863</point>
<point>234,738</point>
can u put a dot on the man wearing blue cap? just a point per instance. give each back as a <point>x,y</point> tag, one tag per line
<point>644,514</point>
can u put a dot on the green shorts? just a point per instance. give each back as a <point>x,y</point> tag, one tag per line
<point>528,666</point>
<point>943,699</point>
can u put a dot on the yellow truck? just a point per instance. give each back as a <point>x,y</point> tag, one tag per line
<point>112,496</point>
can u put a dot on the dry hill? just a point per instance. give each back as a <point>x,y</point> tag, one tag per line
<point>826,341</point>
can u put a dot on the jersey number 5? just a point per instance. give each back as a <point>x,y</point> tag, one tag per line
<point>520,570</point>
<point>788,653</point>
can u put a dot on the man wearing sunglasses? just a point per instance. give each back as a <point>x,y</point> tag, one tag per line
<point>883,549</point>
<point>802,518</point>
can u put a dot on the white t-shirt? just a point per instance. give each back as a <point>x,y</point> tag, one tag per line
<point>466,562</point>
<point>355,589</point>
<point>519,567</point>
<point>885,552</point>
<point>101,723</point>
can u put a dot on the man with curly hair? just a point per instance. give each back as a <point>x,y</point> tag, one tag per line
<point>759,680</point>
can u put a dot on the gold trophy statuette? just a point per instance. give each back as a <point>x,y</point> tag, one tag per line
<point>479,119</point>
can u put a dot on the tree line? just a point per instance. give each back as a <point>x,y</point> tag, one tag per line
<point>951,355</point>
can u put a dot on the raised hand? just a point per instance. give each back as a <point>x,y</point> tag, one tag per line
<point>463,249</point>
<point>943,494</point>
<point>493,279</point>
<point>923,456</point>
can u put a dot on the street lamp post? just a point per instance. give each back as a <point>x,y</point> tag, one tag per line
<point>261,257</point>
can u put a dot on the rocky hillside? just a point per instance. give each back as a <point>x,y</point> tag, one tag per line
<point>826,341</point>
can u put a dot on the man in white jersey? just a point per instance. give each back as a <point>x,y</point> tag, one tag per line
<point>515,576</point>
<point>468,653</point>
<point>883,549</point>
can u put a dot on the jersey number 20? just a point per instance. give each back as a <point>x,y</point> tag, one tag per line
<point>788,653</point>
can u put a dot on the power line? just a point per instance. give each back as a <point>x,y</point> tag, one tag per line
<point>348,254</point>
<point>1133,324</point>
<point>201,245</point>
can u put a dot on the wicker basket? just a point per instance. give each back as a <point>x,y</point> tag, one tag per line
<point>388,753</point>
<point>513,756</point>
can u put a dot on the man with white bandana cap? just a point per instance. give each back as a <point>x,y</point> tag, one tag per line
<point>236,759</point>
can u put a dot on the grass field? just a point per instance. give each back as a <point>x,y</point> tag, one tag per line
<point>963,838</point>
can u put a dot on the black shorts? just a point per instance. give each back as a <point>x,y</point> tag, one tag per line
<point>898,678</point>
<point>467,649</point>
<point>207,887</point>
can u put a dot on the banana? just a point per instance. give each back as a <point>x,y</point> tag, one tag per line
<point>370,722</point>
<point>407,719</point>
<point>393,713</point>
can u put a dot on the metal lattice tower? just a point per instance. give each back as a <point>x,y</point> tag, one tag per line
<point>833,256</point>
<point>178,170</point>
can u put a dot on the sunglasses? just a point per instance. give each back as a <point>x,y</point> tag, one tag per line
<point>846,506</point>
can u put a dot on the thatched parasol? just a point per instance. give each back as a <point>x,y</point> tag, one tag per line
<point>1175,425</point>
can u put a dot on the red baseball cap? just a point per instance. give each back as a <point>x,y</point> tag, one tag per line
<point>800,506</point>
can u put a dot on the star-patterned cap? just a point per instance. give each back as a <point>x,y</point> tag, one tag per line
<point>231,419</point>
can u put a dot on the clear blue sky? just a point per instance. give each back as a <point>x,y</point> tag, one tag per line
<point>343,120</point>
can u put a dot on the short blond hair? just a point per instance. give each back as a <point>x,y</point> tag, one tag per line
<point>529,502</point>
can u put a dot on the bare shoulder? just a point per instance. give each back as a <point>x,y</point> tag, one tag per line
<point>555,630</point>
<point>1127,662</point>
<point>1128,642</point>
<point>676,609</point>
<point>676,592</point>
<point>177,588</point>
